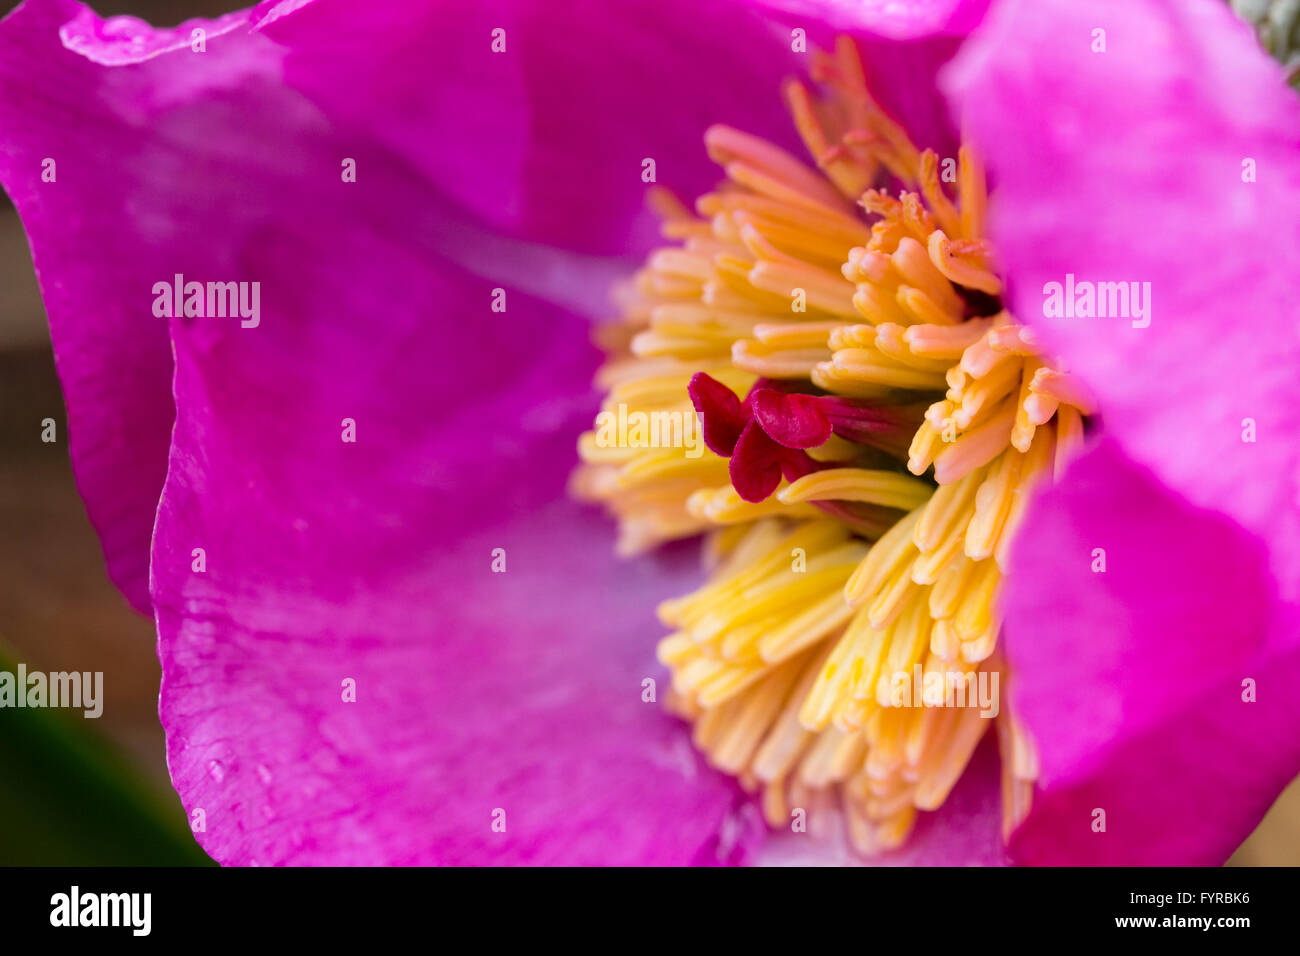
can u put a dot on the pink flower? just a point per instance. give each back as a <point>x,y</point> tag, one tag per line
<point>386,636</point>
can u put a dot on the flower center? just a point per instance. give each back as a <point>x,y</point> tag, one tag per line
<point>842,342</point>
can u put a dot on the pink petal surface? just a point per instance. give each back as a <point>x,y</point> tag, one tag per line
<point>328,560</point>
<point>112,355</point>
<point>891,19</point>
<point>1128,165</point>
<point>1130,679</point>
<point>126,40</point>
<point>547,139</point>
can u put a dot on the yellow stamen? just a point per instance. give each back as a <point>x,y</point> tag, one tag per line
<point>789,657</point>
<point>886,488</point>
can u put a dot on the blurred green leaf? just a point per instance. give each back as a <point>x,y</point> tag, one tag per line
<point>68,797</point>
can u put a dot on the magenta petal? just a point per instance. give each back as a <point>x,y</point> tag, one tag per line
<point>1172,158</point>
<point>546,139</point>
<point>889,19</point>
<point>112,354</point>
<point>419,80</point>
<point>331,564</point>
<point>123,41</point>
<point>794,421</point>
<point>1130,679</point>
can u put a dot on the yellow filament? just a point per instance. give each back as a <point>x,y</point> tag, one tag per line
<point>820,273</point>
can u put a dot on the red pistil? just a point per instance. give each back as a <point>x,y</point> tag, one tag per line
<point>765,436</point>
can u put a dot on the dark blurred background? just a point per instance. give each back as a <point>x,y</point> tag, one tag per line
<point>77,791</point>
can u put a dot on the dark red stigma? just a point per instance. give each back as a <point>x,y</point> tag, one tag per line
<point>766,435</point>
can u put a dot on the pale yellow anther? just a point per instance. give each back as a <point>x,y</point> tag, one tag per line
<point>977,447</point>
<point>926,444</point>
<point>913,263</point>
<point>940,775</point>
<point>1013,339</point>
<point>975,612</point>
<point>1066,389</point>
<point>961,269</point>
<point>886,557</point>
<point>1027,417</point>
<point>853,337</point>
<point>787,335</point>
<point>891,340</point>
<point>920,308</point>
<point>844,168</point>
<point>909,644</point>
<point>723,506</point>
<point>1037,465</point>
<point>782,190</point>
<point>1038,408</point>
<point>993,505</point>
<point>886,488</point>
<point>945,509</point>
<point>981,648</point>
<point>927,568</point>
<point>946,342</point>
<point>941,207</point>
<point>873,366</point>
<point>944,642</point>
<point>996,383</point>
<point>730,147</point>
<point>775,361</point>
<point>823,291</point>
<point>974,196</point>
<point>916,219</point>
